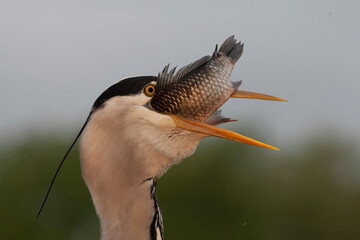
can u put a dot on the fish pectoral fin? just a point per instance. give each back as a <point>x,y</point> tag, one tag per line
<point>216,118</point>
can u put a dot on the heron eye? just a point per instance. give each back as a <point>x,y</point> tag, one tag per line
<point>149,90</point>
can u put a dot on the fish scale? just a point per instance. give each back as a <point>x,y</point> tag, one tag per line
<point>198,90</point>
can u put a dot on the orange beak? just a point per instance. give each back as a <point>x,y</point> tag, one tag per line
<point>211,130</point>
<point>254,95</point>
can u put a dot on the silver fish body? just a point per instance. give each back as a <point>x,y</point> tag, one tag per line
<point>198,90</point>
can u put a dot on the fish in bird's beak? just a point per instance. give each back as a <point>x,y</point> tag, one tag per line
<point>193,95</point>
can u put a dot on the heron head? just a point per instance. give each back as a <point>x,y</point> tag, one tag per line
<point>125,112</point>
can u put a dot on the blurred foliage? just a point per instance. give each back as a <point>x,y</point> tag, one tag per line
<point>225,190</point>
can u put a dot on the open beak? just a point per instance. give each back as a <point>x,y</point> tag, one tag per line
<point>254,95</point>
<point>211,130</point>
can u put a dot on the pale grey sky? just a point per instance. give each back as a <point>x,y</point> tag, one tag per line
<point>56,58</point>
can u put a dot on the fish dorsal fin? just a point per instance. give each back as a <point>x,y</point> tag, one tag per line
<point>166,78</point>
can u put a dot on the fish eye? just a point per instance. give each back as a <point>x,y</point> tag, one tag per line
<point>149,90</point>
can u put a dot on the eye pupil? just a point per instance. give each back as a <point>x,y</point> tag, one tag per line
<point>149,90</point>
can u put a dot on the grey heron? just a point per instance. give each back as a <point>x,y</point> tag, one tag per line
<point>141,126</point>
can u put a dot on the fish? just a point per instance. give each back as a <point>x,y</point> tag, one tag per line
<point>198,90</point>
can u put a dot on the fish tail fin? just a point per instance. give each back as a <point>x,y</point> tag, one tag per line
<point>232,49</point>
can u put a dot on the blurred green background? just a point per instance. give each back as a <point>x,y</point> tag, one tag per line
<point>308,190</point>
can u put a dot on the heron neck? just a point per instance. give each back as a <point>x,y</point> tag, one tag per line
<point>123,190</point>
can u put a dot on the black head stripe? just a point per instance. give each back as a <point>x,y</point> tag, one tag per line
<point>128,86</point>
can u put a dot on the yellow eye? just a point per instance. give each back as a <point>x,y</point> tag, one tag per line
<point>149,90</point>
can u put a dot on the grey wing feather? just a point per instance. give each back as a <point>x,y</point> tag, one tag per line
<point>165,79</point>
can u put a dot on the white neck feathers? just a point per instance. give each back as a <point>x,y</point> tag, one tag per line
<point>124,147</point>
